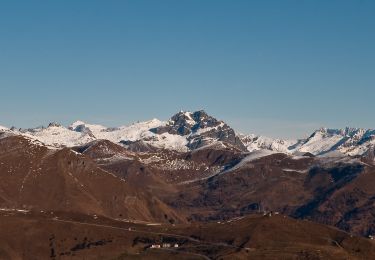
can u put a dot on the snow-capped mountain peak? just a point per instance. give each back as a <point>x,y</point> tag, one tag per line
<point>185,123</point>
<point>347,140</point>
<point>199,129</point>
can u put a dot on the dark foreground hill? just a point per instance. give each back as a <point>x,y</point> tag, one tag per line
<point>34,177</point>
<point>216,183</point>
<point>31,235</point>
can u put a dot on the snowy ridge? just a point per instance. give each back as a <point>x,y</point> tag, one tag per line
<point>189,131</point>
<point>350,141</point>
<point>252,157</point>
<point>182,132</point>
<point>57,136</point>
<point>325,142</point>
<point>80,133</point>
<point>256,142</point>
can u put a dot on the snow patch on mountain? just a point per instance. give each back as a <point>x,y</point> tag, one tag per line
<point>246,162</point>
<point>3,128</point>
<point>319,143</point>
<point>57,136</point>
<point>257,142</point>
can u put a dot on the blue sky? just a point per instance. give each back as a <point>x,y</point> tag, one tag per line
<point>278,68</point>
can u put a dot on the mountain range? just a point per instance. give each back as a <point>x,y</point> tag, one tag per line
<point>191,180</point>
<point>187,131</point>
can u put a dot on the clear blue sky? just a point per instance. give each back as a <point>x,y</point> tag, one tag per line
<point>279,68</point>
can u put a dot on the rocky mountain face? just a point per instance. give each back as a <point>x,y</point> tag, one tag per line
<point>200,130</point>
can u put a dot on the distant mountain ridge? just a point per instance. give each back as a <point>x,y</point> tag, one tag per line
<point>187,131</point>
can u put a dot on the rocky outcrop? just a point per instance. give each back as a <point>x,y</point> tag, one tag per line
<point>200,130</point>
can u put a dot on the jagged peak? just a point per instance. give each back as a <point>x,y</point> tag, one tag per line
<point>182,115</point>
<point>186,122</point>
<point>192,117</point>
<point>54,124</point>
<point>347,131</point>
